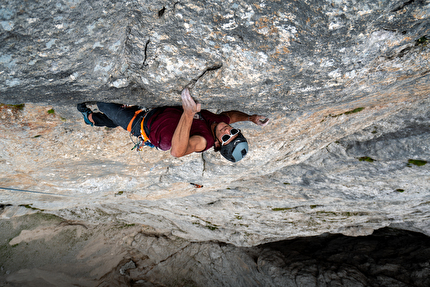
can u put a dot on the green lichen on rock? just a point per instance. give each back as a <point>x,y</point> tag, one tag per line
<point>211,226</point>
<point>51,111</point>
<point>422,41</point>
<point>341,213</point>
<point>417,162</point>
<point>347,113</point>
<point>354,111</point>
<point>126,225</point>
<point>281,208</point>
<point>208,224</point>
<point>18,107</point>
<point>366,158</point>
<point>30,207</point>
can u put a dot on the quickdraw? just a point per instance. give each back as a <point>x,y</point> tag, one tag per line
<point>141,143</point>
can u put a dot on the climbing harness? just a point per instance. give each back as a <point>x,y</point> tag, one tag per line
<point>143,139</point>
<point>130,124</point>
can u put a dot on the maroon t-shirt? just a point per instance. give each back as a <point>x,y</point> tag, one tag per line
<point>163,125</point>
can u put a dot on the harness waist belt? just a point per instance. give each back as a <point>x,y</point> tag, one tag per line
<point>144,128</point>
<point>130,124</point>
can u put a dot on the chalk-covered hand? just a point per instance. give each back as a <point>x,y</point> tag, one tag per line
<point>189,105</point>
<point>259,120</point>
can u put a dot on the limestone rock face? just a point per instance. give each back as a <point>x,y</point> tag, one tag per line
<point>345,83</point>
<point>41,250</point>
<point>271,55</point>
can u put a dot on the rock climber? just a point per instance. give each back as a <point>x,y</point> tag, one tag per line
<point>183,130</point>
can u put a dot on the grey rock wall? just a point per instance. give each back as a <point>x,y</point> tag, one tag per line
<point>41,250</point>
<point>345,83</point>
<point>341,80</point>
<point>271,56</point>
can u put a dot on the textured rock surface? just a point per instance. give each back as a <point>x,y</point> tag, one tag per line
<point>93,172</point>
<point>275,55</point>
<point>33,254</point>
<point>341,80</point>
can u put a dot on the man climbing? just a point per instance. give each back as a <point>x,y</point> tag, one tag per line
<point>183,130</point>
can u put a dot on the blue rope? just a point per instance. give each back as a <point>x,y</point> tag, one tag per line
<point>31,191</point>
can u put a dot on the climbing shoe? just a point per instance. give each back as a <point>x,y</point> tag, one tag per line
<point>82,107</point>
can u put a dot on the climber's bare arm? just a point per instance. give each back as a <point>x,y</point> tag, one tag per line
<point>182,143</point>
<point>237,116</point>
